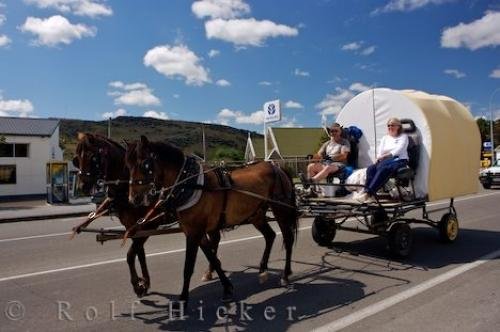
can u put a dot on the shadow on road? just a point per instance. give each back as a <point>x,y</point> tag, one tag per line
<point>317,289</point>
<point>428,252</point>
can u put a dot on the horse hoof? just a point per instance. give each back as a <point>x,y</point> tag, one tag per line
<point>207,276</point>
<point>141,287</point>
<point>284,282</point>
<point>263,277</point>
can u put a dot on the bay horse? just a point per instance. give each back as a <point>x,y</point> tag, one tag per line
<point>101,159</point>
<point>253,189</point>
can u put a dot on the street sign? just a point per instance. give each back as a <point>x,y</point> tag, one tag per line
<point>272,111</point>
<point>487,145</point>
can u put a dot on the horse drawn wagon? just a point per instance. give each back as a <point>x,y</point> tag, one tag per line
<point>443,163</point>
<point>162,188</point>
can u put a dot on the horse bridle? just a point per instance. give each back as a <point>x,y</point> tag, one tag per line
<point>96,168</point>
<point>147,169</point>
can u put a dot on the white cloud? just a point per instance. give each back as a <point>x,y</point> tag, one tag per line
<point>177,62</point>
<point>90,8</point>
<point>333,103</point>
<point>357,46</point>
<point>176,95</point>
<point>16,107</point>
<point>246,32</point>
<point>4,40</point>
<point>406,5</point>
<point>369,50</point>
<point>226,116</point>
<point>2,19</point>
<point>359,87</point>
<point>290,123</point>
<point>220,8</point>
<point>227,113</point>
<point>223,83</point>
<point>156,115</point>
<point>131,86</point>
<point>454,72</point>
<point>117,113</point>
<point>56,30</point>
<point>483,32</point>
<point>256,118</point>
<point>495,73</point>
<point>298,72</point>
<point>213,53</point>
<point>293,104</point>
<point>265,83</point>
<point>352,46</point>
<point>134,94</point>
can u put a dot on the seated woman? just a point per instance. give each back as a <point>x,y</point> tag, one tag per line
<point>333,154</point>
<point>392,155</point>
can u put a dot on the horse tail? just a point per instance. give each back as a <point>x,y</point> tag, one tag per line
<point>286,194</point>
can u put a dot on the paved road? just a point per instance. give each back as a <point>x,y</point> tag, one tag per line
<point>49,283</point>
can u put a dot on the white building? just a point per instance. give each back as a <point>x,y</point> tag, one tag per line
<point>26,146</point>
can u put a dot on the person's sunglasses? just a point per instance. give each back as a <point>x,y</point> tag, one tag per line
<point>392,125</point>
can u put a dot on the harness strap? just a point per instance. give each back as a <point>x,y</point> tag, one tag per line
<point>225,183</point>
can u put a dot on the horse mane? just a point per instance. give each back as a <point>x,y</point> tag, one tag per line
<point>99,138</point>
<point>167,152</point>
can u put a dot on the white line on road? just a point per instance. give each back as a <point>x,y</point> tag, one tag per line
<point>68,233</point>
<point>76,267</point>
<point>405,295</point>
<point>46,235</point>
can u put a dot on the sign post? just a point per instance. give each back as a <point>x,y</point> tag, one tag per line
<point>272,113</point>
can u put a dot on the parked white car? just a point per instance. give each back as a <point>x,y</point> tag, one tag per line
<point>490,175</point>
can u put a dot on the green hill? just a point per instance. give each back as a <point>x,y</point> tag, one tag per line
<point>221,141</point>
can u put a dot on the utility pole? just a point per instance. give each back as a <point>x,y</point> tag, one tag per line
<point>204,147</point>
<point>109,127</point>
<point>492,124</point>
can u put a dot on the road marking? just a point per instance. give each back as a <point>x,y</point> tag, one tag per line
<point>34,237</point>
<point>118,227</point>
<point>47,235</point>
<point>111,261</point>
<point>403,296</point>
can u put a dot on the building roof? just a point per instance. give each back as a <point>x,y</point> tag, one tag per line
<point>258,145</point>
<point>290,142</point>
<point>297,142</point>
<point>27,126</point>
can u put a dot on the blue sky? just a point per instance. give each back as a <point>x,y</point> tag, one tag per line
<point>218,61</point>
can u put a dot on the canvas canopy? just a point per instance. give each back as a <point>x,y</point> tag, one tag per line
<point>450,141</point>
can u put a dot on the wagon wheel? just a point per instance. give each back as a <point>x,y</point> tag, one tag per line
<point>323,231</point>
<point>487,184</point>
<point>448,228</point>
<point>400,240</point>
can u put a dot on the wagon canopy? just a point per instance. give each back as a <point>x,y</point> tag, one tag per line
<point>450,141</point>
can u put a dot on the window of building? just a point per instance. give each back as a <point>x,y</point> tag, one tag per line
<point>21,150</point>
<point>7,174</point>
<point>9,150</point>
<point>6,150</point>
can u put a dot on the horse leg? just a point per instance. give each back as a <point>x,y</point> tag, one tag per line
<point>144,282</point>
<point>213,242</point>
<point>134,279</point>
<point>269,236</point>
<point>192,244</point>
<point>288,232</point>
<point>215,263</point>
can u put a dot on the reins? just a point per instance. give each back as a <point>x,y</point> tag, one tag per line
<point>162,200</point>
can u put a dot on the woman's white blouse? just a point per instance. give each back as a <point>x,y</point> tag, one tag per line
<point>396,146</point>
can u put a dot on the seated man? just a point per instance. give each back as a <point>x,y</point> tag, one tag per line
<point>332,156</point>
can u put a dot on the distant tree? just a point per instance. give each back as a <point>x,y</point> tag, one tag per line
<point>228,154</point>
